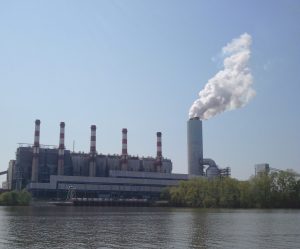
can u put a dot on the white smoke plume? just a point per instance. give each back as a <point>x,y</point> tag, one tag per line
<point>230,88</point>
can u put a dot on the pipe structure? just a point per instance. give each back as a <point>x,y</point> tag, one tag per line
<point>36,151</point>
<point>124,157</point>
<point>158,153</point>
<point>61,149</point>
<point>93,153</point>
<point>213,170</point>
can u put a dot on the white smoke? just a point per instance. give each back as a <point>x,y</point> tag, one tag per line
<point>230,88</point>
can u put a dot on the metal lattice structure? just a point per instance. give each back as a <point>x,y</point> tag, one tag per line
<point>71,193</point>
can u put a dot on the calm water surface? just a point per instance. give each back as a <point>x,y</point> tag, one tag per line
<point>127,227</point>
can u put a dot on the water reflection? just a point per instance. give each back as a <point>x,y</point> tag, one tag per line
<point>200,229</point>
<point>121,227</point>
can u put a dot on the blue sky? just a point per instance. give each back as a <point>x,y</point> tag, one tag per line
<point>140,65</point>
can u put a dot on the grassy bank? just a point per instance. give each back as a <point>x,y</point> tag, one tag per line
<point>15,198</point>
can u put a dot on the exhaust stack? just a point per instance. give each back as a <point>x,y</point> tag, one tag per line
<point>158,153</point>
<point>124,157</point>
<point>36,151</point>
<point>195,146</point>
<point>92,164</point>
<point>61,149</point>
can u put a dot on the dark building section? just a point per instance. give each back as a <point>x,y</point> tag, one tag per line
<point>48,165</point>
<point>75,164</point>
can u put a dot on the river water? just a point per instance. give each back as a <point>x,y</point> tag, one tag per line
<point>131,227</point>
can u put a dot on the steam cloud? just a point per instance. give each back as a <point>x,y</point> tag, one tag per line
<point>230,88</point>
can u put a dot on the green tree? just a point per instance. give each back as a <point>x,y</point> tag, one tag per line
<point>24,198</point>
<point>230,193</point>
<point>261,189</point>
<point>275,190</point>
<point>14,198</point>
<point>246,197</point>
<point>9,198</point>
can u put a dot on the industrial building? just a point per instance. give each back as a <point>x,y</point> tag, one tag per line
<point>262,168</point>
<point>196,162</point>
<point>47,171</point>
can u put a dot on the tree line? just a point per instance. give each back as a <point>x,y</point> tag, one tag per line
<point>274,190</point>
<point>15,198</point>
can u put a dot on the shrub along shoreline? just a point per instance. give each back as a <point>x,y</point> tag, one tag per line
<point>15,198</point>
<point>275,190</point>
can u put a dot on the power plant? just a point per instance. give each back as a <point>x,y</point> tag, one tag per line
<point>48,171</point>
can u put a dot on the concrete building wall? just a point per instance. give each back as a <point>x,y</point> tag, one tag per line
<point>147,175</point>
<point>262,168</point>
<point>148,164</point>
<point>75,164</point>
<point>47,164</point>
<point>80,164</point>
<point>134,164</point>
<point>113,162</point>
<point>68,168</point>
<point>5,185</point>
<point>166,166</point>
<point>82,181</point>
<point>101,164</point>
<point>10,172</point>
<point>195,146</point>
<point>111,188</point>
<point>23,166</point>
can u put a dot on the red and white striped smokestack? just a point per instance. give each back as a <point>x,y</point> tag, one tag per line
<point>124,160</point>
<point>37,133</point>
<point>93,140</point>
<point>92,166</point>
<point>36,151</point>
<point>159,152</point>
<point>61,149</point>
